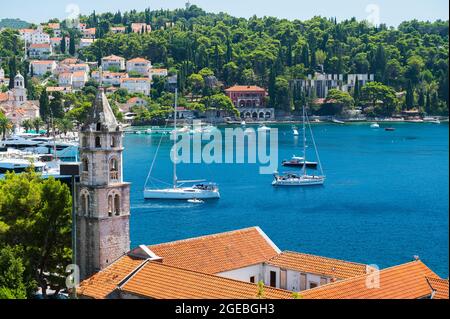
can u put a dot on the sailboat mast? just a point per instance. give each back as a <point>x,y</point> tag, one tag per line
<point>175,182</point>
<point>304,142</point>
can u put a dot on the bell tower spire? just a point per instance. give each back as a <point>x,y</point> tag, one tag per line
<point>103,211</point>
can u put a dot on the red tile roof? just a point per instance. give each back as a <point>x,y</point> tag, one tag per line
<point>4,97</point>
<point>322,266</point>
<point>245,88</point>
<point>40,45</point>
<point>407,281</point>
<point>220,252</point>
<point>439,286</point>
<point>138,60</point>
<point>104,282</point>
<point>158,281</point>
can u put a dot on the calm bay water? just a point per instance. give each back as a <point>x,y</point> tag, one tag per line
<point>385,198</point>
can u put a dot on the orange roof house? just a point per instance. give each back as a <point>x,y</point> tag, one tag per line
<point>321,266</point>
<point>407,281</point>
<point>178,283</point>
<point>218,253</point>
<point>217,267</point>
<point>247,95</point>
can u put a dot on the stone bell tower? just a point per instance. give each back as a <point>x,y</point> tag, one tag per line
<point>103,199</point>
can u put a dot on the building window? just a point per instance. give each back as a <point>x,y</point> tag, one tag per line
<point>113,170</point>
<point>283,279</point>
<point>85,165</point>
<point>85,204</point>
<point>98,143</point>
<point>85,141</point>
<point>313,284</point>
<point>113,141</point>
<point>252,279</point>
<point>110,205</point>
<point>302,282</point>
<point>117,204</point>
<point>99,127</point>
<point>273,279</point>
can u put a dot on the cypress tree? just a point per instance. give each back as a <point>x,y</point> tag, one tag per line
<point>72,44</point>
<point>12,72</point>
<point>44,107</point>
<point>356,90</point>
<point>409,103</point>
<point>63,44</point>
<point>272,79</point>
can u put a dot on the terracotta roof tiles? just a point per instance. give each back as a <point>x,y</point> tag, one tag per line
<point>101,284</point>
<point>439,286</point>
<point>220,252</point>
<point>159,281</point>
<point>406,281</point>
<point>318,265</point>
<point>245,88</point>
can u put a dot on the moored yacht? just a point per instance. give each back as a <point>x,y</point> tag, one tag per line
<point>199,189</point>
<point>303,178</point>
<point>297,161</point>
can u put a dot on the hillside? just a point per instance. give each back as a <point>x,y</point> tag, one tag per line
<point>13,23</point>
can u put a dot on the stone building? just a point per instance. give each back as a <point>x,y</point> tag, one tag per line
<point>103,199</point>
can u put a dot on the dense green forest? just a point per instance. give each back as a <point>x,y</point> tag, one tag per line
<point>410,62</point>
<point>14,24</point>
<point>269,52</point>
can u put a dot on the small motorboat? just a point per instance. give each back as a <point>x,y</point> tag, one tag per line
<point>195,201</point>
<point>374,125</point>
<point>299,162</point>
<point>243,123</point>
<point>389,129</point>
<point>337,121</point>
<point>295,132</point>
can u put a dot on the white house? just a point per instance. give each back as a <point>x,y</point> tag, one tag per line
<point>136,85</point>
<point>139,65</point>
<point>65,79</point>
<point>2,74</point>
<point>79,79</point>
<point>34,36</point>
<point>89,33</point>
<point>84,43</point>
<point>40,51</point>
<point>141,27</point>
<point>113,61</point>
<point>109,78</point>
<point>40,67</point>
<point>56,27</point>
<point>158,72</point>
<point>117,30</point>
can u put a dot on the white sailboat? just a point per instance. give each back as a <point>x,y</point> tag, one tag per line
<point>199,189</point>
<point>302,179</point>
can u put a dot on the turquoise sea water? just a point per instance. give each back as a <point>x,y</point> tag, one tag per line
<point>384,201</point>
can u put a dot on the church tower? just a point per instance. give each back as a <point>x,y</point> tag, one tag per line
<point>19,91</point>
<point>103,199</point>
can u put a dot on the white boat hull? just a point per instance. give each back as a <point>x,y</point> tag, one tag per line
<point>301,181</point>
<point>184,193</point>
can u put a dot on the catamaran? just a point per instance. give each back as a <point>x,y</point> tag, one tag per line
<point>198,190</point>
<point>302,179</point>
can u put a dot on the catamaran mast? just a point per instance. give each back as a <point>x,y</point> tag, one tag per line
<point>175,182</point>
